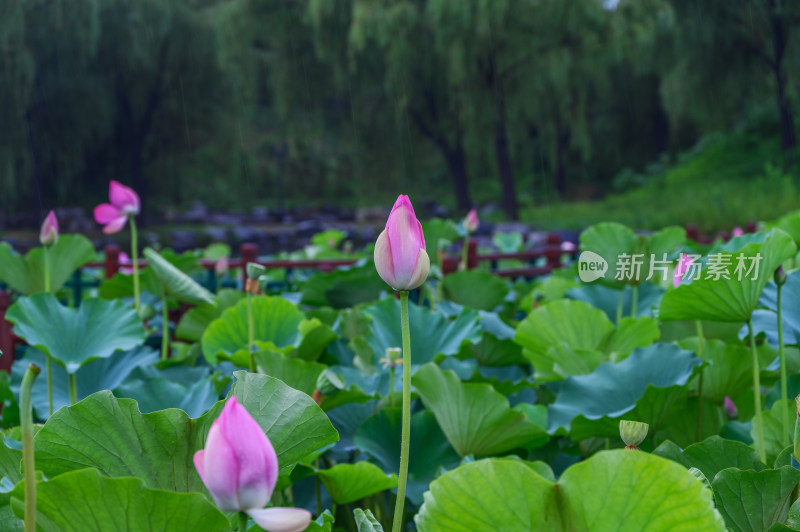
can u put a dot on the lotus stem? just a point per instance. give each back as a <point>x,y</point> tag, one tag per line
<point>49,361</point>
<point>465,253</point>
<point>250,340</point>
<point>634,297</point>
<point>28,459</point>
<point>242,522</point>
<point>700,342</point>
<point>135,261</point>
<point>406,427</point>
<point>782,356</point>
<point>73,389</point>
<point>164,324</point>
<point>762,454</point>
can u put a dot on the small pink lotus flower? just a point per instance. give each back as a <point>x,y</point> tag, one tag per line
<point>568,246</point>
<point>737,231</point>
<point>730,408</point>
<point>400,256</point>
<point>221,267</point>
<point>683,266</point>
<point>48,235</point>
<point>125,263</point>
<point>124,204</point>
<point>471,221</point>
<point>240,468</point>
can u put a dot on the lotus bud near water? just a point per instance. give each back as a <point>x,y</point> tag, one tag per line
<point>240,469</point>
<point>400,256</point>
<point>48,236</point>
<point>633,433</point>
<point>471,221</point>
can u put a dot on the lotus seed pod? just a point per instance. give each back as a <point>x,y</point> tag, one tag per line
<point>633,433</point>
<point>146,312</point>
<point>328,383</point>
<point>254,271</point>
<point>780,276</point>
<point>393,354</point>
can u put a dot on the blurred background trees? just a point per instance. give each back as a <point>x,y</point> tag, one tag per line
<point>284,102</point>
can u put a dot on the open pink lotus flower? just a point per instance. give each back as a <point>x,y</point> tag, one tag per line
<point>400,256</point>
<point>48,235</point>
<point>471,221</point>
<point>114,215</point>
<point>240,468</point>
<point>683,266</point>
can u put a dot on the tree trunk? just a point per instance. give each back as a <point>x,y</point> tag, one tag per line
<point>504,168</point>
<point>562,144</point>
<point>788,139</point>
<point>457,163</point>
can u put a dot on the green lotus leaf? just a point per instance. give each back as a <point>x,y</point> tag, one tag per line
<point>25,274</point>
<point>348,483</point>
<point>752,501</point>
<point>176,283</point>
<point>475,289</point>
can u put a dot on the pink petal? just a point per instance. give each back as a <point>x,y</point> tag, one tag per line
<point>258,463</point>
<point>383,259</point>
<point>472,220</point>
<point>220,468</point>
<point>281,519</point>
<point>199,463</point>
<point>48,235</point>
<point>124,198</point>
<point>115,225</point>
<point>421,270</point>
<point>405,240</point>
<point>105,213</point>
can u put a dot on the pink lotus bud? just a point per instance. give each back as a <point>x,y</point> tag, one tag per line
<point>221,267</point>
<point>730,408</point>
<point>471,221</point>
<point>737,231</point>
<point>683,266</point>
<point>48,235</point>
<point>400,256</point>
<point>114,215</point>
<point>240,468</point>
<point>568,246</point>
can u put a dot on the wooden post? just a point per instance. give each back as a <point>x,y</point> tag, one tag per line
<point>249,252</point>
<point>692,233</point>
<point>112,260</point>
<point>6,333</point>
<point>472,255</point>
<point>553,253</point>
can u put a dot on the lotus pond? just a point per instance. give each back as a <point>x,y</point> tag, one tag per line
<point>657,395</point>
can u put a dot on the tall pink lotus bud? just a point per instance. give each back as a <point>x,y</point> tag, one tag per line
<point>222,266</point>
<point>471,221</point>
<point>737,231</point>
<point>683,266</point>
<point>48,235</point>
<point>730,408</point>
<point>400,256</point>
<point>240,469</point>
<point>124,204</point>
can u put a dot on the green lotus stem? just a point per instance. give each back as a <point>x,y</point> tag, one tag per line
<point>28,459</point>
<point>406,428</point>
<point>135,261</point>
<point>762,454</point>
<point>242,522</point>
<point>164,325</point>
<point>620,305</point>
<point>700,343</point>
<point>391,385</point>
<point>465,252</point>
<point>250,340</point>
<point>634,297</point>
<point>73,389</point>
<point>796,441</point>
<point>49,362</point>
<point>318,488</point>
<point>782,356</point>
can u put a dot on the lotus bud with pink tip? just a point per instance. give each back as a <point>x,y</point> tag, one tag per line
<point>683,266</point>
<point>240,469</point>
<point>48,235</point>
<point>124,203</point>
<point>471,221</point>
<point>400,256</point>
<point>730,408</point>
<point>222,266</point>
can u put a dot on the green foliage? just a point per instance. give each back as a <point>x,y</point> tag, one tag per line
<point>25,274</point>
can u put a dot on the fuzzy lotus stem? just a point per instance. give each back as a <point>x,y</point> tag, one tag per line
<point>634,297</point>
<point>28,459</point>
<point>164,324</point>
<point>49,366</point>
<point>250,340</point>
<point>700,342</point>
<point>406,427</point>
<point>762,454</point>
<point>620,305</point>
<point>782,356</point>
<point>242,522</point>
<point>73,389</point>
<point>796,440</point>
<point>135,261</point>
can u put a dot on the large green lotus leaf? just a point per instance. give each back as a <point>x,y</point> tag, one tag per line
<point>121,285</point>
<point>439,235</point>
<point>10,474</point>
<point>752,501</point>
<point>111,434</point>
<point>790,223</point>
<point>366,522</point>
<point>316,336</point>
<point>712,455</point>
<point>431,332</point>
<point>732,299</point>
<point>475,418</point>
<point>607,299</point>
<point>348,483</point>
<point>297,373</point>
<point>475,289</point>
<point>680,424</point>
<point>647,380</point>
<point>73,337</point>
<point>773,421</point>
<point>87,501</point>
<point>159,394</point>
<point>573,324</point>
<point>612,490</point>
<point>630,334</point>
<point>101,374</point>
<point>344,288</point>
<point>729,372</point>
<point>380,437</point>
<point>25,274</point>
<point>275,321</point>
<point>194,323</point>
<point>609,240</point>
<point>766,320</point>
<point>177,284</point>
